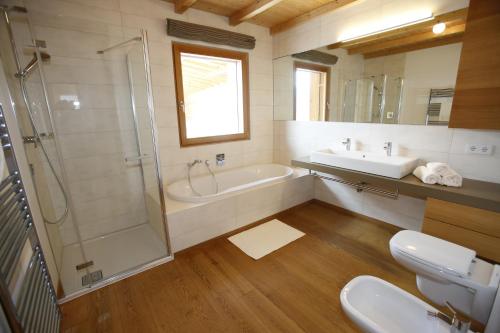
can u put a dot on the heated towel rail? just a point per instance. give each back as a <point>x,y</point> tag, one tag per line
<point>27,296</point>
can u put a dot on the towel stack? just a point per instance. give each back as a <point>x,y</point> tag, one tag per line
<point>440,173</point>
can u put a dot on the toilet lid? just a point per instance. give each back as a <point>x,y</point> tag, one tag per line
<point>441,254</point>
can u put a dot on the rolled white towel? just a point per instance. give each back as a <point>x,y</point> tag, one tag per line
<point>438,168</point>
<point>425,175</point>
<point>451,178</point>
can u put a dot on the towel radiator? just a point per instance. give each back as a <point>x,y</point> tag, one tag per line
<point>28,299</point>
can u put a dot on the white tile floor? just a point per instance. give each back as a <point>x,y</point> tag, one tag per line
<point>114,253</point>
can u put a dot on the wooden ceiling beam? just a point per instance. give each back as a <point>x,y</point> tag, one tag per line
<point>244,14</point>
<point>413,47</point>
<point>182,5</point>
<point>450,18</point>
<point>409,40</point>
<point>288,24</point>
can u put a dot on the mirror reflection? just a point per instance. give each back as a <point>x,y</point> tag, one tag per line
<point>375,79</point>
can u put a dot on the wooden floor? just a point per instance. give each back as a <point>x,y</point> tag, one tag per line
<point>214,287</point>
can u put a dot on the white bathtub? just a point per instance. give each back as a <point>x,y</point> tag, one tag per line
<point>230,182</point>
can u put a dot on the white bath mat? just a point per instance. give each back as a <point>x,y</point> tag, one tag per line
<point>265,238</point>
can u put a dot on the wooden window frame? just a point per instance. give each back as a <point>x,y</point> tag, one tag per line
<point>177,49</point>
<point>313,67</point>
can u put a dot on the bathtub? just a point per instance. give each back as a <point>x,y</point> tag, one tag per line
<point>230,182</point>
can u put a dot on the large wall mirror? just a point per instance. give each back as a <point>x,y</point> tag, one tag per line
<point>403,76</point>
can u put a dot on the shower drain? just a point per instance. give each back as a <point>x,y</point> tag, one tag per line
<point>91,278</point>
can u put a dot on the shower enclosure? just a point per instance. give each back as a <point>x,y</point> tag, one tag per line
<point>90,138</point>
<point>373,99</point>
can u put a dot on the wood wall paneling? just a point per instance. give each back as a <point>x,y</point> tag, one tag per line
<point>474,228</point>
<point>476,103</point>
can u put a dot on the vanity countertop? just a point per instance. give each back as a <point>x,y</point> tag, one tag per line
<point>473,193</point>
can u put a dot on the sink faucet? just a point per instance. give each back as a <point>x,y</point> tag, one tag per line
<point>456,325</point>
<point>347,143</point>
<point>388,148</point>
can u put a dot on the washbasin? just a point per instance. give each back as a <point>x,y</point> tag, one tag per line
<point>377,164</point>
<point>377,306</point>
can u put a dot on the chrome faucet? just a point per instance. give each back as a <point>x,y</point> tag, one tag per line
<point>388,148</point>
<point>220,159</point>
<point>192,164</point>
<point>347,143</point>
<point>456,324</point>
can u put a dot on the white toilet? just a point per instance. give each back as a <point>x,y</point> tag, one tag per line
<point>446,272</point>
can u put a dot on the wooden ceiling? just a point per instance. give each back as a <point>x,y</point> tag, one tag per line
<point>278,15</point>
<point>409,38</point>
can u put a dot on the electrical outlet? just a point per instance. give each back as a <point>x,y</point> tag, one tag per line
<point>390,115</point>
<point>479,149</point>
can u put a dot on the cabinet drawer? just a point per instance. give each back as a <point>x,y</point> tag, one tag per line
<point>485,246</point>
<point>480,220</point>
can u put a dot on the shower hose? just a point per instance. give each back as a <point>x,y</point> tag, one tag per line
<point>62,218</point>
<point>207,164</point>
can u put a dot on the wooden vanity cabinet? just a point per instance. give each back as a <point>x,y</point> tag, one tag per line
<point>476,103</point>
<point>474,228</point>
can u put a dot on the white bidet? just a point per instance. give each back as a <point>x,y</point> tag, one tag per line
<point>377,306</point>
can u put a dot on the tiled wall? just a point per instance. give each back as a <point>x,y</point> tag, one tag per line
<point>295,139</point>
<point>107,194</point>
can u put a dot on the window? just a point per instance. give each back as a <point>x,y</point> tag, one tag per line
<point>311,100</point>
<point>212,94</point>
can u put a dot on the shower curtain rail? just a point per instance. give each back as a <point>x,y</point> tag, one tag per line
<point>135,39</point>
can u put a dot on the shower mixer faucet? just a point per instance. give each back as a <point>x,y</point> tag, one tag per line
<point>220,159</point>
<point>192,164</point>
<point>347,144</point>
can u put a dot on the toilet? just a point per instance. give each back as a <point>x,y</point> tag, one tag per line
<point>446,272</point>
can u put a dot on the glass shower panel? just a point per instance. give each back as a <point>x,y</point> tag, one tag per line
<point>141,104</point>
<point>364,99</point>
<point>393,100</point>
<point>91,114</point>
<point>32,102</point>
<point>358,100</point>
<point>121,224</point>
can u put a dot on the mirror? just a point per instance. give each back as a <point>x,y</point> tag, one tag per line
<point>403,76</point>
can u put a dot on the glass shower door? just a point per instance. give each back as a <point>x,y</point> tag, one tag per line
<point>141,237</point>
<point>93,114</point>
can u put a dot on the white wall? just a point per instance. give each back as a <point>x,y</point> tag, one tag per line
<point>106,193</point>
<point>434,68</point>
<point>295,139</point>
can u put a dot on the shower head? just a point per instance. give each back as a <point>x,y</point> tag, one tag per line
<point>32,64</point>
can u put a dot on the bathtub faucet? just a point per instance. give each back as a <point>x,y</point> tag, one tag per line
<point>192,164</point>
<point>207,164</point>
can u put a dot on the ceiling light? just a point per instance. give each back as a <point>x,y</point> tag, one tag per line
<point>385,25</point>
<point>438,28</point>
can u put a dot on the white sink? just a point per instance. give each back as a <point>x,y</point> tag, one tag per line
<point>382,165</point>
<point>376,306</point>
